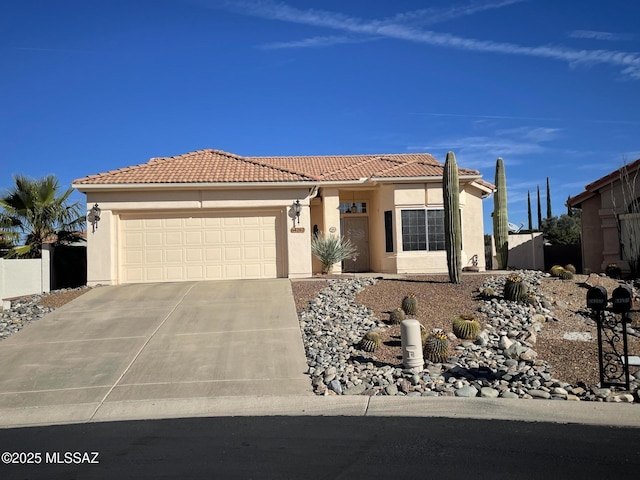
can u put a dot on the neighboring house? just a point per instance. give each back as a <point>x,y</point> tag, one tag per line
<point>606,211</point>
<point>215,215</point>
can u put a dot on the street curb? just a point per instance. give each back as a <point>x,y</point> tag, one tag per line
<point>548,411</point>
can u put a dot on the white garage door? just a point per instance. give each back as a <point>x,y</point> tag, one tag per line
<point>197,247</point>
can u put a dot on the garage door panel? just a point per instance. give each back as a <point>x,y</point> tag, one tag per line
<point>232,254</point>
<point>253,271</point>
<point>194,255</point>
<point>251,236</point>
<point>252,253</point>
<point>153,239</point>
<point>175,274</point>
<point>150,224</point>
<point>232,271</point>
<point>231,221</point>
<point>173,223</point>
<point>173,256</point>
<point>195,272</point>
<point>134,239</point>
<point>153,274</point>
<point>135,257</point>
<point>232,236</point>
<point>205,247</point>
<point>193,238</point>
<point>212,237</point>
<point>152,257</point>
<point>213,254</point>
<point>214,272</point>
<point>173,238</point>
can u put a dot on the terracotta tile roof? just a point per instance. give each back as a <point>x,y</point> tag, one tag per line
<point>215,166</point>
<point>596,185</point>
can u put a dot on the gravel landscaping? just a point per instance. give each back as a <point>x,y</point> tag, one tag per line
<point>31,308</point>
<point>547,350</point>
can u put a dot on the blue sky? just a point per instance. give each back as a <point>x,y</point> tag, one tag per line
<point>552,87</point>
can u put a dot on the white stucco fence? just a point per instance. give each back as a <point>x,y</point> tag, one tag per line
<point>25,276</point>
<point>526,251</point>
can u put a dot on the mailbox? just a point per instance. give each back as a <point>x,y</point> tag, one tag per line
<point>622,299</point>
<point>597,298</point>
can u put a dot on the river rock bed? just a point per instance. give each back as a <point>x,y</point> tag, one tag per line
<point>25,310</point>
<point>501,362</point>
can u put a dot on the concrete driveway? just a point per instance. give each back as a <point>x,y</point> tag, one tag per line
<point>157,341</point>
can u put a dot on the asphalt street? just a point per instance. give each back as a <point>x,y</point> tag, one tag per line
<point>321,448</point>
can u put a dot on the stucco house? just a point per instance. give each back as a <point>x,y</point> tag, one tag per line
<point>608,207</point>
<point>210,214</point>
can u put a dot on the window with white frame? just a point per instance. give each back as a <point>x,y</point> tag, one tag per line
<point>422,229</point>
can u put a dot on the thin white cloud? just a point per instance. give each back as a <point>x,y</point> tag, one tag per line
<point>431,16</point>
<point>490,117</point>
<point>315,42</point>
<point>535,134</point>
<point>629,63</point>
<point>595,35</point>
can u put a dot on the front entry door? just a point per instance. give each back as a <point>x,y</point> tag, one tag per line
<point>356,229</point>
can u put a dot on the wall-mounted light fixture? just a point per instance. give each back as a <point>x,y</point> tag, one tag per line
<point>93,216</point>
<point>297,209</point>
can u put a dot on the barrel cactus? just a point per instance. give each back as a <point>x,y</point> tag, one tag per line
<point>466,327</point>
<point>371,341</point>
<point>487,292</point>
<point>556,270</point>
<point>423,335</point>
<point>570,267</point>
<point>410,304</point>
<point>565,275</point>
<point>397,316</point>
<point>515,289</point>
<point>436,347</point>
<point>531,299</point>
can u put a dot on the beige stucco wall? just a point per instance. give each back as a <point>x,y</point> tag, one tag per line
<point>471,208</point>
<point>294,247</point>
<point>381,201</point>
<point>25,276</point>
<point>331,214</point>
<point>600,237</point>
<point>414,196</point>
<point>103,246</point>
<point>526,251</point>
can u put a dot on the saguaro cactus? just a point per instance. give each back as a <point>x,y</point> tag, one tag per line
<point>548,199</point>
<point>529,211</point>
<point>539,210</point>
<point>500,219</point>
<point>452,227</point>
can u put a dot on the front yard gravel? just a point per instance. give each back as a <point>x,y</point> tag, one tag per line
<point>516,355</point>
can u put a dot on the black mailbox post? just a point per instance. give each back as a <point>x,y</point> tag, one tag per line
<point>597,298</point>
<point>613,361</point>
<point>622,298</point>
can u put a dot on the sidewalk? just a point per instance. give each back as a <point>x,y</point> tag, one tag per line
<point>552,411</point>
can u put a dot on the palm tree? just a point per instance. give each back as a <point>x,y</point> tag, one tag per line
<point>33,213</point>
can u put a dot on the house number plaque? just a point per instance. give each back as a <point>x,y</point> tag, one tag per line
<point>297,230</point>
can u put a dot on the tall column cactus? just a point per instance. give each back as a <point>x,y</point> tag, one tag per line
<point>500,219</point>
<point>452,227</point>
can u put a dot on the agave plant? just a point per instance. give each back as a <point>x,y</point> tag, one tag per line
<point>330,249</point>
